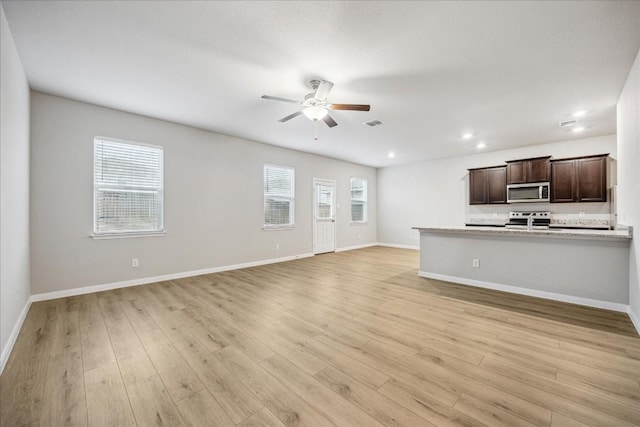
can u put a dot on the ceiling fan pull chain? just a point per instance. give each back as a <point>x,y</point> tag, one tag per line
<point>315,125</point>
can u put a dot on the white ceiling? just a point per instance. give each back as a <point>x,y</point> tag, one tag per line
<point>506,71</point>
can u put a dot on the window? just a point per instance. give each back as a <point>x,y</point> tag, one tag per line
<point>127,188</point>
<point>324,201</point>
<point>358,200</point>
<point>279,196</point>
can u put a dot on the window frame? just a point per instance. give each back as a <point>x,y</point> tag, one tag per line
<point>292,200</point>
<point>364,201</point>
<point>116,234</point>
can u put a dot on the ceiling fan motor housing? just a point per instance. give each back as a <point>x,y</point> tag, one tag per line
<point>314,83</point>
<point>311,101</point>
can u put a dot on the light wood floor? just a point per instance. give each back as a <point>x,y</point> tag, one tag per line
<point>348,339</point>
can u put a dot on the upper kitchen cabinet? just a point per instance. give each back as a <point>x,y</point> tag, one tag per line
<point>563,181</point>
<point>529,170</point>
<point>579,179</point>
<point>488,185</point>
<point>592,179</point>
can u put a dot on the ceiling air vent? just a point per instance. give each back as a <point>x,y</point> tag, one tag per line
<point>373,123</point>
<point>567,124</point>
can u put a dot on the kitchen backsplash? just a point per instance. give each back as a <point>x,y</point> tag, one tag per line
<point>575,220</point>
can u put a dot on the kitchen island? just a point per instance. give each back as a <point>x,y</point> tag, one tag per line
<point>588,267</point>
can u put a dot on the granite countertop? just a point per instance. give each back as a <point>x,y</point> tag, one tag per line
<point>624,234</point>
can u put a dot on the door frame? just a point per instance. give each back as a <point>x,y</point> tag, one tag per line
<point>335,212</point>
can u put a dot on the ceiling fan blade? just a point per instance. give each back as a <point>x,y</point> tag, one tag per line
<point>290,116</point>
<point>329,121</point>
<point>277,98</point>
<point>323,90</point>
<point>353,107</point>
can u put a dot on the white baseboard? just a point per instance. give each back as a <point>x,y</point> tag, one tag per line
<point>6,351</point>
<point>393,245</point>
<point>350,248</point>
<point>145,280</point>
<point>614,306</point>
<point>634,319</point>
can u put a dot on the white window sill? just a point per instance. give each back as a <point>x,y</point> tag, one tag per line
<point>359,222</point>
<point>276,227</point>
<point>125,235</point>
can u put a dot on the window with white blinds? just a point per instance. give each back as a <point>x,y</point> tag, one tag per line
<point>279,196</point>
<point>128,188</point>
<point>358,200</point>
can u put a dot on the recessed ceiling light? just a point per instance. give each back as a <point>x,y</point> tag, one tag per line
<point>579,113</point>
<point>481,145</point>
<point>391,155</point>
<point>467,135</point>
<point>577,129</point>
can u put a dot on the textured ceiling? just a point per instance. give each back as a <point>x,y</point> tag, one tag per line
<point>506,71</point>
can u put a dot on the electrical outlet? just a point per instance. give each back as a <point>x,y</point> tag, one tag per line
<point>476,263</point>
<point>277,246</point>
<point>495,214</point>
<point>416,237</point>
<point>359,236</point>
<point>135,263</point>
<point>582,214</point>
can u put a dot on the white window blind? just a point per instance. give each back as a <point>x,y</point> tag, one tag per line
<point>128,188</point>
<point>358,200</point>
<point>279,196</point>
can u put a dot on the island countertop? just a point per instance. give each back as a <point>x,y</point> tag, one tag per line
<point>564,233</point>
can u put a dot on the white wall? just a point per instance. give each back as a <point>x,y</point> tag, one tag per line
<point>629,177</point>
<point>434,193</point>
<point>213,199</point>
<point>14,189</point>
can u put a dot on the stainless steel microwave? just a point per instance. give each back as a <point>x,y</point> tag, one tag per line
<point>523,193</point>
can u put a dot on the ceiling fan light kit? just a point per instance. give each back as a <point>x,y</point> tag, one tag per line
<point>315,106</point>
<point>315,113</point>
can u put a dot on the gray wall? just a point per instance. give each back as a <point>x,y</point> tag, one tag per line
<point>567,266</point>
<point>435,193</point>
<point>629,177</point>
<point>14,187</point>
<point>213,199</point>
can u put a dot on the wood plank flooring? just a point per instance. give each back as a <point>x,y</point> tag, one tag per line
<point>348,339</point>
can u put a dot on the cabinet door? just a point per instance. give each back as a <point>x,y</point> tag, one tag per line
<point>478,187</point>
<point>592,179</point>
<point>516,173</point>
<point>538,170</point>
<point>497,185</point>
<point>563,181</point>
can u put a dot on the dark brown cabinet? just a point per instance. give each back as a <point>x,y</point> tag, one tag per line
<point>528,170</point>
<point>488,185</point>
<point>516,173</point>
<point>576,179</point>
<point>592,179</point>
<point>563,181</point>
<point>477,186</point>
<point>580,179</point>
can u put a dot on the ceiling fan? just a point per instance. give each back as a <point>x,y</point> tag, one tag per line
<point>315,105</point>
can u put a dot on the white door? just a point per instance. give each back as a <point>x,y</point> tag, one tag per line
<point>324,216</point>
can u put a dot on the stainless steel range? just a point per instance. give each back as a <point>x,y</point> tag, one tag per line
<point>536,220</point>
